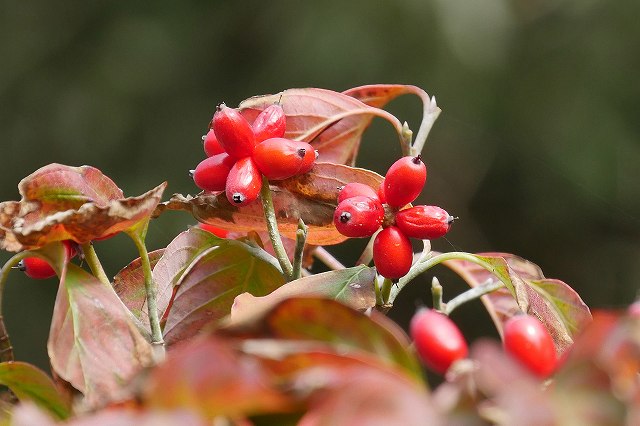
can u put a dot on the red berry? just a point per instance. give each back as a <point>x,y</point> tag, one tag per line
<point>211,174</point>
<point>308,161</point>
<point>392,253</point>
<point>233,132</point>
<point>527,340</point>
<point>355,189</point>
<point>270,123</point>
<point>36,268</point>
<point>437,339</point>
<point>218,232</point>
<point>404,181</point>
<point>279,158</point>
<point>424,222</point>
<point>358,217</point>
<point>380,192</point>
<point>244,182</point>
<point>211,144</point>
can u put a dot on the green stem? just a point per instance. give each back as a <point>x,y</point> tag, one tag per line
<point>472,294</point>
<point>6,349</point>
<point>430,114</point>
<point>407,135</point>
<point>90,255</point>
<point>272,228</point>
<point>367,254</point>
<point>327,258</point>
<point>426,264</point>
<point>152,306</point>
<point>436,293</point>
<point>387,284</point>
<point>301,238</point>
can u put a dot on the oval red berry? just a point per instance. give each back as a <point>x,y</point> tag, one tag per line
<point>279,158</point>
<point>218,232</point>
<point>358,217</point>
<point>355,189</point>
<point>404,181</point>
<point>437,340</point>
<point>211,144</point>
<point>211,174</point>
<point>244,182</point>
<point>424,222</point>
<point>233,132</point>
<point>528,341</point>
<point>392,253</point>
<point>270,123</point>
<point>37,268</point>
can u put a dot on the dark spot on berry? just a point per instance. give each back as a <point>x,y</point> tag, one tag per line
<point>237,198</point>
<point>203,137</point>
<point>417,159</point>
<point>316,153</point>
<point>451,219</point>
<point>220,106</point>
<point>345,217</point>
<point>191,172</point>
<point>21,266</point>
<point>302,152</point>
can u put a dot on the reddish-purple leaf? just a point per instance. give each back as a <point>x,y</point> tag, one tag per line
<point>557,305</point>
<point>311,197</point>
<point>94,343</point>
<point>209,273</point>
<point>210,378</point>
<point>332,122</point>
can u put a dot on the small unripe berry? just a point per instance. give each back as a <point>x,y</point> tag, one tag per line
<point>270,123</point>
<point>211,174</point>
<point>233,132</point>
<point>528,341</point>
<point>437,340</point>
<point>404,181</point>
<point>424,222</point>
<point>392,253</point>
<point>243,182</point>
<point>355,189</point>
<point>358,217</point>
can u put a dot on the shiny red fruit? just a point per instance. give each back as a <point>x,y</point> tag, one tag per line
<point>218,232</point>
<point>211,174</point>
<point>279,158</point>
<point>233,131</point>
<point>358,217</point>
<point>528,341</point>
<point>36,268</point>
<point>355,189</point>
<point>308,161</point>
<point>243,182</point>
<point>404,181</point>
<point>392,253</point>
<point>211,144</point>
<point>270,123</point>
<point>424,222</point>
<point>437,340</point>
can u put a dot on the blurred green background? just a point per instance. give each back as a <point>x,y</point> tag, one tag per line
<point>537,149</point>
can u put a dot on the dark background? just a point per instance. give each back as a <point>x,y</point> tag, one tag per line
<point>537,149</point>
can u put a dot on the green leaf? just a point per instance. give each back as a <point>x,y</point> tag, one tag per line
<point>209,273</point>
<point>554,302</point>
<point>352,286</point>
<point>94,342</point>
<point>29,383</point>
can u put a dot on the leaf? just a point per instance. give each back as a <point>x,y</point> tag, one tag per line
<point>313,319</point>
<point>556,304</point>
<point>129,286</point>
<point>312,197</point>
<point>207,376</point>
<point>352,286</point>
<point>94,343</point>
<point>210,272</point>
<point>330,121</point>
<point>79,204</point>
<point>29,383</point>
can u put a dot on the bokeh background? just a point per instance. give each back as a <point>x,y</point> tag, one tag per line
<point>537,149</point>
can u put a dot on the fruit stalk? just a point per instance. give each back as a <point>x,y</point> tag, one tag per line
<point>272,228</point>
<point>486,287</point>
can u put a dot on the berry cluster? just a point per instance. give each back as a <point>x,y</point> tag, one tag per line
<point>239,153</point>
<point>362,211</point>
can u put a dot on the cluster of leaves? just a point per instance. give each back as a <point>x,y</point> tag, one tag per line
<point>249,347</point>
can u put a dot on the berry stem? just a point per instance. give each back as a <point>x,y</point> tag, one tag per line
<point>385,291</point>
<point>6,350</point>
<point>436,293</point>
<point>90,255</point>
<point>327,258</point>
<point>367,254</point>
<point>272,228</point>
<point>138,234</point>
<point>301,238</point>
<point>430,113</point>
<point>472,294</point>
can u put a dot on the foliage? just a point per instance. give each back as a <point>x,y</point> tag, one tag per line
<point>215,328</point>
